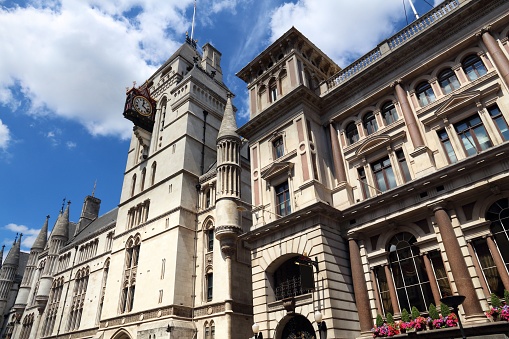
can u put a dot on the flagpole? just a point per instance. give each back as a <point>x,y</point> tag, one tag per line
<point>192,25</point>
<point>413,9</point>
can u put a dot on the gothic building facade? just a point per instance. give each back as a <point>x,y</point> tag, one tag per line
<point>389,178</point>
<point>166,262</point>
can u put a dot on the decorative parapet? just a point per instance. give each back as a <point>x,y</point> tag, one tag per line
<point>397,40</point>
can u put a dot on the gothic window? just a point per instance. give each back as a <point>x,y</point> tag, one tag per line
<point>142,181</point>
<point>279,148</point>
<point>131,264</point>
<point>412,283</point>
<point>52,308</point>
<point>448,81</point>
<point>472,133</point>
<point>28,321</point>
<point>403,166</point>
<point>447,146</point>
<point>291,280</point>
<point>424,93</point>
<point>153,174</point>
<point>389,113</point>
<point>363,183</point>
<point>138,214</point>
<point>210,238</point>
<point>383,174</point>
<point>78,299</point>
<point>133,184</point>
<point>499,120</point>
<point>369,123</point>
<point>352,134</point>
<point>103,289</point>
<point>473,67</point>
<point>209,280</point>
<point>109,241</point>
<point>283,206</point>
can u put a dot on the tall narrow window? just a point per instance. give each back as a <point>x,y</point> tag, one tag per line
<point>448,81</point>
<point>447,146</point>
<point>384,175</point>
<point>142,181</point>
<point>497,116</point>
<point>78,299</point>
<point>383,290</point>
<point>273,90</point>
<point>389,113</point>
<point>424,93</point>
<point>473,67</point>
<point>210,285</point>
<point>403,166</point>
<point>52,308</point>
<point>369,123</point>
<point>133,185</point>
<point>283,207</point>
<point>473,135</point>
<point>153,174</point>
<point>279,148</point>
<point>103,289</point>
<point>210,239</point>
<point>129,286</point>
<point>363,183</point>
<point>440,273</point>
<point>352,134</point>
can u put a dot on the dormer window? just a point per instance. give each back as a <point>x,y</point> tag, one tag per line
<point>279,149</point>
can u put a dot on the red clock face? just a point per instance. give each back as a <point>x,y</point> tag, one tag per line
<point>142,106</point>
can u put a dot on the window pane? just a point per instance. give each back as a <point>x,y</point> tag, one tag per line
<point>380,180</point>
<point>390,177</point>
<point>482,137</point>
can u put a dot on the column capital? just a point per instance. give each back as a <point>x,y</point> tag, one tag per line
<point>485,29</point>
<point>439,205</point>
<point>396,83</point>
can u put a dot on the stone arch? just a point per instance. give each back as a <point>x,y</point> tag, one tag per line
<point>441,67</point>
<point>386,236</point>
<point>294,326</point>
<point>485,202</point>
<point>417,81</point>
<point>467,52</point>
<point>122,334</point>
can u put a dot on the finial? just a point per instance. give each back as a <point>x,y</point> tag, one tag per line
<point>63,204</point>
<point>20,235</point>
<point>68,202</point>
<point>47,217</point>
<point>15,239</point>
<point>95,185</point>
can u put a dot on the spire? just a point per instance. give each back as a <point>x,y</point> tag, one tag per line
<point>13,255</point>
<point>42,238</point>
<point>61,227</point>
<point>2,255</point>
<point>228,125</point>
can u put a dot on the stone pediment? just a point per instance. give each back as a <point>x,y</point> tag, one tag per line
<point>457,101</point>
<point>373,143</point>
<point>276,169</point>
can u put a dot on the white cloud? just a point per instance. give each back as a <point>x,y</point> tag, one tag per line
<point>70,144</point>
<point>344,30</point>
<point>29,235</point>
<point>5,136</point>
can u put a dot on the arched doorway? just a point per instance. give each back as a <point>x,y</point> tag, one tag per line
<point>121,334</point>
<point>298,327</point>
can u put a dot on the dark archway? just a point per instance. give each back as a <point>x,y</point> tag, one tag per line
<point>298,327</point>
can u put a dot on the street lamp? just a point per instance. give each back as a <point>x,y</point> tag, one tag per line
<point>454,301</point>
<point>256,331</point>
<point>322,327</point>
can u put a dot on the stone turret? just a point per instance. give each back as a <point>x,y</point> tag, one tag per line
<point>228,181</point>
<point>31,268</point>
<point>89,213</point>
<point>58,238</point>
<point>8,274</point>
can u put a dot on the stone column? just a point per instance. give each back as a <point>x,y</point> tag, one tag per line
<point>359,287</point>
<point>499,262</point>
<point>431,276</point>
<point>337,155</point>
<point>459,268</point>
<point>392,290</point>
<point>408,115</point>
<point>496,53</point>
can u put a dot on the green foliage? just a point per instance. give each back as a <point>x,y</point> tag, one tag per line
<point>415,313</point>
<point>405,316</point>
<point>444,309</point>
<point>390,319</point>
<point>495,301</point>
<point>379,320</point>
<point>433,313</point>
<point>506,296</point>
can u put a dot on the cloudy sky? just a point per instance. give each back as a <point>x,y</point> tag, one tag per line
<point>65,64</point>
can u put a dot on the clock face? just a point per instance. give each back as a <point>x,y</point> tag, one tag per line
<point>142,105</point>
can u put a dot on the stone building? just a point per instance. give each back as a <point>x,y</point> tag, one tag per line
<point>166,262</point>
<point>391,173</point>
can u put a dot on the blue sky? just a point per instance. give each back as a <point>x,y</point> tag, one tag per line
<point>65,64</point>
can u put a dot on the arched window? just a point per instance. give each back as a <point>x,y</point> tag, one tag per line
<point>209,236</point>
<point>279,148</point>
<point>473,67</point>
<point>133,184</point>
<point>369,123</point>
<point>412,283</point>
<point>142,181</point>
<point>131,263</point>
<point>424,93</point>
<point>352,134</point>
<point>153,174</point>
<point>291,280</point>
<point>389,113</point>
<point>498,214</point>
<point>448,81</point>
